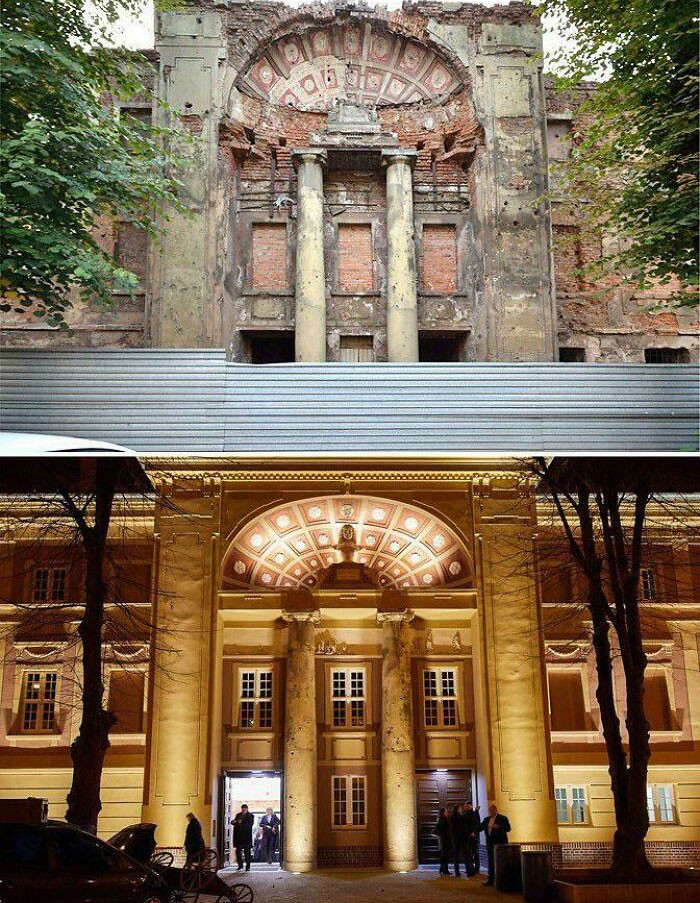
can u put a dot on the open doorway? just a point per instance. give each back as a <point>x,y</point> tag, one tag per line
<point>260,790</point>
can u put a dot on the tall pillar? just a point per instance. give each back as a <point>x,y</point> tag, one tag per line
<point>310,319</point>
<point>398,752</point>
<point>402,289</point>
<point>517,758</point>
<point>300,743</point>
<point>181,772</point>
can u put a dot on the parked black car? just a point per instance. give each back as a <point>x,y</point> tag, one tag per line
<point>57,862</point>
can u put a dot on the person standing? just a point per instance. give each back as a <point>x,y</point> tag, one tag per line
<point>243,836</point>
<point>472,824</point>
<point>194,839</point>
<point>496,828</point>
<point>442,831</point>
<point>270,825</point>
<point>457,838</point>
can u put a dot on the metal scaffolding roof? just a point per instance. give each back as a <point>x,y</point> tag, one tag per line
<point>181,401</point>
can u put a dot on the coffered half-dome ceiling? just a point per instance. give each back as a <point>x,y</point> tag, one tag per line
<point>291,545</point>
<point>309,71</point>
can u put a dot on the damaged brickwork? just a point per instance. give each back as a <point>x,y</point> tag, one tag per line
<point>458,85</point>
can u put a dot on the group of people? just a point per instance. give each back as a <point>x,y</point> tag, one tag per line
<point>266,837</point>
<point>458,829</point>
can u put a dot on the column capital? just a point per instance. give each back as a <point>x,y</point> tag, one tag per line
<point>395,617</point>
<point>391,155</point>
<point>302,617</point>
<point>309,155</point>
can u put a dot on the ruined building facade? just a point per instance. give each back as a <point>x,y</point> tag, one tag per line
<point>368,185</point>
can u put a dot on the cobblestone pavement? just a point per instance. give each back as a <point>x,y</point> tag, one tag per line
<point>367,886</point>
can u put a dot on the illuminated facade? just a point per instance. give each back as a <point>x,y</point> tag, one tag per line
<point>355,645</point>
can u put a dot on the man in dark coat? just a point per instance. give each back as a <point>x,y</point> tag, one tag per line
<point>472,826</point>
<point>442,830</point>
<point>243,836</point>
<point>194,840</point>
<point>496,827</point>
<point>270,825</point>
<point>457,838</point>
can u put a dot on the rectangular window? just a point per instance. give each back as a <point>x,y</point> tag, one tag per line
<point>660,804</point>
<point>646,577</point>
<point>350,788</point>
<point>269,257</point>
<point>571,805</point>
<point>666,356</point>
<point>356,349</point>
<point>49,585</point>
<point>566,703</point>
<point>562,802</point>
<point>348,697</point>
<point>126,689</point>
<point>255,699</point>
<point>355,258</point>
<point>440,697</point>
<point>439,259</point>
<point>572,355</point>
<point>657,703</point>
<point>38,712</point>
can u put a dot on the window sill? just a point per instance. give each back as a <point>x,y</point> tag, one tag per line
<point>349,827</point>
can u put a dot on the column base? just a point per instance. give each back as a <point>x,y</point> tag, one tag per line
<point>298,866</point>
<point>400,865</point>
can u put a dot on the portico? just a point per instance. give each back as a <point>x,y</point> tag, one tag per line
<point>352,650</point>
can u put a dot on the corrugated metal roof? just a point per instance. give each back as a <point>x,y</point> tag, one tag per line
<point>158,400</point>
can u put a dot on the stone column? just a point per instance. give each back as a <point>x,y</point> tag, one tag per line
<point>300,743</point>
<point>181,771</point>
<point>402,290</point>
<point>398,752</point>
<point>310,336</point>
<point>516,745</point>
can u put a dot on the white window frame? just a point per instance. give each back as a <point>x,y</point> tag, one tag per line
<point>647,582</point>
<point>260,695</point>
<point>661,800</point>
<point>347,698</point>
<point>575,798</point>
<point>348,785</point>
<point>440,697</point>
<point>53,581</point>
<point>41,702</point>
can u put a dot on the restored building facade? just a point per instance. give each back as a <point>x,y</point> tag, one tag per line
<point>368,185</point>
<point>354,645</point>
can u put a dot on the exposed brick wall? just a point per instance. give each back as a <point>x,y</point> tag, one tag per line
<point>366,857</point>
<point>269,256</point>
<point>355,258</point>
<point>597,854</point>
<point>439,259</point>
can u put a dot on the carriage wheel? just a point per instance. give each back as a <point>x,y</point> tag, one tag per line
<point>239,893</point>
<point>200,871</point>
<point>183,896</point>
<point>163,859</point>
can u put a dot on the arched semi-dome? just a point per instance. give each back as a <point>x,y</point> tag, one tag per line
<point>290,545</point>
<point>359,62</point>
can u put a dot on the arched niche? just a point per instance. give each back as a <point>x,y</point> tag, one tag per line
<point>363,62</point>
<point>290,545</point>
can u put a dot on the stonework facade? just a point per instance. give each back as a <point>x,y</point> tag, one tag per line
<point>368,185</point>
<point>357,645</point>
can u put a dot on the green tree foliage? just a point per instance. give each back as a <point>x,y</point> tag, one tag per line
<point>635,162</point>
<point>68,158</point>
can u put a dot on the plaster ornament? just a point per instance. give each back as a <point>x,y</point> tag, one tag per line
<point>454,568</point>
<point>326,644</point>
<point>323,539</point>
<point>378,513</point>
<point>439,541</point>
<point>429,641</point>
<point>239,567</point>
<point>427,578</point>
<point>411,523</point>
<point>256,540</point>
<point>315,512</point>
<point>283,521</point>
<point>456,642</point>
<point>347,510</point>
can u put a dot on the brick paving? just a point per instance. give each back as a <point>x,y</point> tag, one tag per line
<point>367,886</point>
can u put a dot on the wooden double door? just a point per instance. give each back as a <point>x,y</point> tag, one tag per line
<point>435,790</point>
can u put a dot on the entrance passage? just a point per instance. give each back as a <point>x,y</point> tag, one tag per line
<point>434,790</point>
<point>259,790</point>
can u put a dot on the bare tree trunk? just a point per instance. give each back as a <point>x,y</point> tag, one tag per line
<point>89,748</point>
